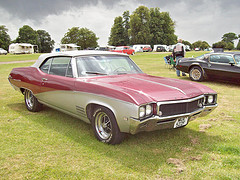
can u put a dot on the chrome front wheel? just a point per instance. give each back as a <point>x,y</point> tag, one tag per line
<point>105,126</point>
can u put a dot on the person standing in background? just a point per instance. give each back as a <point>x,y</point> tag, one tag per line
<point>179,52</point>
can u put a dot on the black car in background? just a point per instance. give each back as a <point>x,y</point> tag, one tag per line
<point>222,65</point>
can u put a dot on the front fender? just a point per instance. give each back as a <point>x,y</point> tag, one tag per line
<point>122,110</point>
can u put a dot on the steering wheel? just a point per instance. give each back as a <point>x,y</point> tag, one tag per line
<point>123,68</point>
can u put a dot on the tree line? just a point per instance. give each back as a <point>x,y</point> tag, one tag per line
<point>143,26</point>
<point>82,37</point>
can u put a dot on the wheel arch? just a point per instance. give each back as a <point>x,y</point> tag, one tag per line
<point>22,90</point>
<point>93,105</point>
<point>198,65</point>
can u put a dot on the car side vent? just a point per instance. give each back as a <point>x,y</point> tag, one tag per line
<point>81,111</point>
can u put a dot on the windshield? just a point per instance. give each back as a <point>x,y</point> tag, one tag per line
<point>106,65</point>
<point>202,57</point>
<point>237,59</point>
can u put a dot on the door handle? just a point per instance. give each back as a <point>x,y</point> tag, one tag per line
<point>44,79</point>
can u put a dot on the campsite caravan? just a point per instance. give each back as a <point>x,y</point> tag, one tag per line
<point>139,47</point>
<point>22,48</point>
<point>65,47</point>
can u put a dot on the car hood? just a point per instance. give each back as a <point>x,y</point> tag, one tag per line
<point>145,88</point>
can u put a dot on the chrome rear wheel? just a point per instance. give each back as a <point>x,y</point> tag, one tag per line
<point>31,101</point>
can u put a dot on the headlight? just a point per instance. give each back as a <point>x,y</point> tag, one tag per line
<point>145,111</point>
<point>210,99</point>
<point>142,111</point>
<point>148,109</point>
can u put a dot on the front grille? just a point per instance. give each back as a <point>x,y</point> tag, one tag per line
<point>180,108</point>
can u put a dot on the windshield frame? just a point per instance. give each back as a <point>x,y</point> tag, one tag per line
<point>237,60</point>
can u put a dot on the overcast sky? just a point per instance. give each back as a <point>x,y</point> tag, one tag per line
<point>195,19</point>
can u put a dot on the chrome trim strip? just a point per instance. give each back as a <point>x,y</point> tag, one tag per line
<point>74,67</point>
<point>180,101</point>
<point>172,87</point>
<point>16,80</point>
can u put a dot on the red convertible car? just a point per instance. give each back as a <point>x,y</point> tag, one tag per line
<point>109,91</point>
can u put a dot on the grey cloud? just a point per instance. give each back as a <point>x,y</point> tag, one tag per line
<point>38,9</point>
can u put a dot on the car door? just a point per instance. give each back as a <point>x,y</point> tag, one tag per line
<point>219,66</point>
<point>57,85</point>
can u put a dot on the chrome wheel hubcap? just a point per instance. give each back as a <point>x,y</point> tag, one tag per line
<point>29,99</point>
<point>103,125</point>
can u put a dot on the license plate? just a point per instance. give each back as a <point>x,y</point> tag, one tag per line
<point>181,122</point>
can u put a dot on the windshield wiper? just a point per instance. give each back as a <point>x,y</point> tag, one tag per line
<point>97,73</point>
<point>119,73</point>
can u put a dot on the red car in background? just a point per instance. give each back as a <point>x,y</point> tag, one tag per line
<point>147,49</point>
<point>124,49</point>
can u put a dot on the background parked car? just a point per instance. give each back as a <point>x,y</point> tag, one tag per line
<point>147,49</point>
<point>160,49</point>
<point>124,49</point>
<point>225,66</point>
<point>2,51</point>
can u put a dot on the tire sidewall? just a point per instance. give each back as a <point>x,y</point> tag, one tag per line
<point>115,134</point>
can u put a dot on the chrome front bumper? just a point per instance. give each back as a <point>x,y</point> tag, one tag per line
<point>156,122</point>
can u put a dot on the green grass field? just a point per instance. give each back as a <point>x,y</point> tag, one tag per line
<point>52,145</point>
<point>20,57</point>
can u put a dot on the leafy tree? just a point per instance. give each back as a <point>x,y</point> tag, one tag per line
<point>117,36</point>
<point>229,37</point>
<point>187,43</point>
<point>5,39</point>
<point>156,26</point>
<point>168,29</point>
<point>27,35</point>
<point>201,44</point>
<point>229,46</point>
<point>80,36</point>
<point>220,44</point>
<point>139,31</point>
<point>45,42</point>
<point>196,44</point>
<point>238,45</point>
<point>204,45</point>
<point>126,26</point>
<point>144,26</point>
